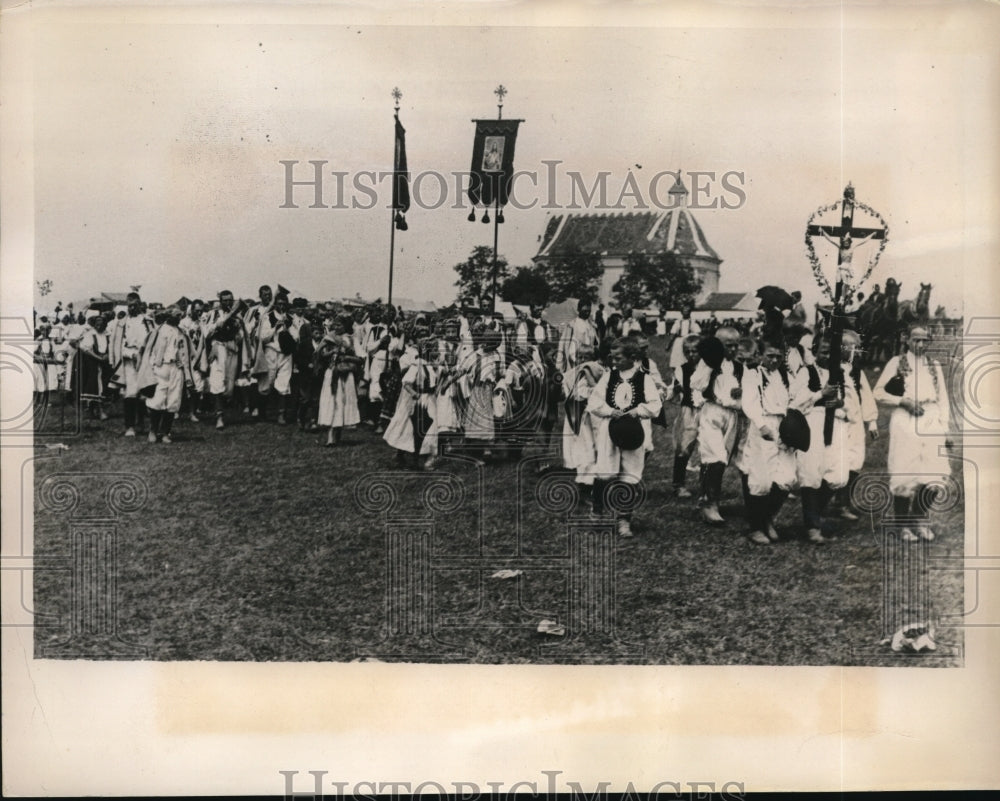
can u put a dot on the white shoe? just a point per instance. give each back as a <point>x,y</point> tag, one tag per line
<point>166,439</point>
<point>683,492</point>
<point>926,533</point>
<point>194,418</point>
<point>710,514</point>
<point>759,538</point>
<point>907,536</point>
<point>848,514</point>
<point>219,423</point>
<point>815,536</point>
<point>129,432</point>
<point>255,413</point>
<point>624,528</point>
<point>151,437</point>
<point>772,532</point>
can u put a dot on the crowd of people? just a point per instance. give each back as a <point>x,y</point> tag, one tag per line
<point>758,399</point>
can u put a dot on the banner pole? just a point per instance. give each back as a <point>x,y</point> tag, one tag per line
<point>496,234</point>
<point>396,96</point>
<point>392,249</point>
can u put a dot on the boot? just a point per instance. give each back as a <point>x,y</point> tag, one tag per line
<point>712,491</point>
<point>166,425</point>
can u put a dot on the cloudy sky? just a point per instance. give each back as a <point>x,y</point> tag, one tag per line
<point>158,147</point>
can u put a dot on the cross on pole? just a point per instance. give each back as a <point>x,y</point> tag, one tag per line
<point>847,233</point>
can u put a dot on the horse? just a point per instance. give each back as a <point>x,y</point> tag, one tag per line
<point>877,322</point>
<point>918,310</point>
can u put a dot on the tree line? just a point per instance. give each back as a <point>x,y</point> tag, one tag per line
<point>649,279</point>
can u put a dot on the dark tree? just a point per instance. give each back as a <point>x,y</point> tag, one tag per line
<point>526,288</point>
<point>663,279</point>
<point>574,275</point>
<point>475,277</point>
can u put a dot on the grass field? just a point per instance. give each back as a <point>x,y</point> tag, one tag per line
<point>255,543</point>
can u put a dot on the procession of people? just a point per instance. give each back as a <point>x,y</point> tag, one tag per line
<point>475,385</point>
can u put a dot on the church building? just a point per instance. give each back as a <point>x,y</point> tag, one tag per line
<point>613,236</point>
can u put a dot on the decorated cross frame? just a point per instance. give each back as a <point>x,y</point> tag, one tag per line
<point>846,238</point>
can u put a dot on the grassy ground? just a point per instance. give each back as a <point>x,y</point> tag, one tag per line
<point>255,543</point>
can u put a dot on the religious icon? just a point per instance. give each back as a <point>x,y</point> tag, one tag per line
<point>846,247</point>
<point>493,154</point>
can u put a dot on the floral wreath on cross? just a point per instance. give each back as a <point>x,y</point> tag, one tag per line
<point>817,268</point>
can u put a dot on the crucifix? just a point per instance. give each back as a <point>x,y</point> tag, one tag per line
<point>850,239</point>
<point>500,92</point>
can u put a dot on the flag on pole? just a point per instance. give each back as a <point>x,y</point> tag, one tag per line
<point>400,179</point>
<point>492,168</point>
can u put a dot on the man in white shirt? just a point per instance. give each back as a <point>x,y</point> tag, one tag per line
<point>579,334</point>
<point>717,393</point>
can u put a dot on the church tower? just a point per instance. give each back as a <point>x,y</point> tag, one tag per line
<point>612,237</point>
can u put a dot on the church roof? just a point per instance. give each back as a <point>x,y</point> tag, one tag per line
<point>675,230</point>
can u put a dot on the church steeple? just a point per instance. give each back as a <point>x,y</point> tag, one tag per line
<point>678,193</point>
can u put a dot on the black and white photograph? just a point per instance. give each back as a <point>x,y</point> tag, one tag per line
<point>532,377</point>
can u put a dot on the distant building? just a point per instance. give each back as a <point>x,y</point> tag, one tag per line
<point>613,237</point>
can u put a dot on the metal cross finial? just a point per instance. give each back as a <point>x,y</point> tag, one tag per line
<point>500,92</point>
<point>397,96</point>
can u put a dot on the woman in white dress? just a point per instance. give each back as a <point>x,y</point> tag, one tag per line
<point>412,419</point>
<point>338,397</point>
<point>917,429</point>
<point>579,448</point>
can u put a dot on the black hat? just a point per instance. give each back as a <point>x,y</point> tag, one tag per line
<point>712,352</point>
<point>626,432</point>
<point>794,430</point>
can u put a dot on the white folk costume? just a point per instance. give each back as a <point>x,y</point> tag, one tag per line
<point>165,368</point>
<point>410,427</point>
<point>128,337</point>
<point>47,365</point>
<point>91,370</point>
<point>578,334</point>
<point>822,462</point>
<point>630,325</point>
<point>481,372</point>
<point>915,441</point>
<point>195,332</point>
<point>531,333</point>
<point>627,390</point>
<point>227,351</point>
<point>680,330</point>
<point>767,397</point>
<point>579,441</point>
<point>71,346</point>
<point>376,356</point>
<point>338,397</point>
<point>273,366</point>
<point>448,406</point>
<point>857,382</point>
<point>685,430</point>
<point>718,415</point>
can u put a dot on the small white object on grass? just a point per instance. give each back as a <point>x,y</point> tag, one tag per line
<point>551,627</point>
<point>507,573</point>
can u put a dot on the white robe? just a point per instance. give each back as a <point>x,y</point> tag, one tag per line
<point>419,382</point>
<point>580,450</point>
<point>612,461</point>
<point>915,442</point>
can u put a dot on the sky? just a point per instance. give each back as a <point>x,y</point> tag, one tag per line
<point>158,148</point>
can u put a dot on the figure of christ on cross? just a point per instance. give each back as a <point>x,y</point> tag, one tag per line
<point>850,239</point>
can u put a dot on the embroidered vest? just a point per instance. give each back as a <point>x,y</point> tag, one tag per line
<point>638,383</point>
